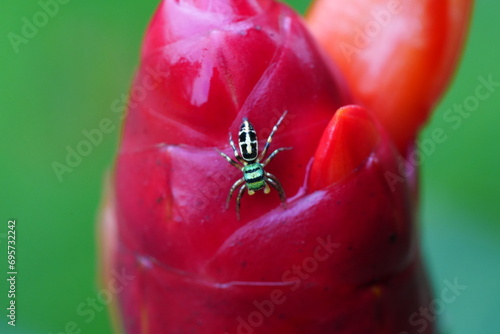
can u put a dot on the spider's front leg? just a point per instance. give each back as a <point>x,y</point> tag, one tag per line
<point>236,153</point>
<point>231,161</point>
<point>271,135</point>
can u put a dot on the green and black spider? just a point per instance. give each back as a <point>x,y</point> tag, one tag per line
<point>254,176</point>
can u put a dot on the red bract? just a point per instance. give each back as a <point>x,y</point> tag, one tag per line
<point>342,257</point>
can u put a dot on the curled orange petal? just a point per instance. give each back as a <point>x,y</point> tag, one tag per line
<point>397,56</point>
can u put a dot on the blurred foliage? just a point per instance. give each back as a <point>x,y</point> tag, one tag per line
<point>64,79</point>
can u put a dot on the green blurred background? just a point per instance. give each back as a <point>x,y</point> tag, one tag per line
<point>65,79</point>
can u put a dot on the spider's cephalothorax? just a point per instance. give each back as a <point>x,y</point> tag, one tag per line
<point>254,176</point>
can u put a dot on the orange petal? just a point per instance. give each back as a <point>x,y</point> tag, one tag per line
<point>397,56</point>
<point>347,142</point>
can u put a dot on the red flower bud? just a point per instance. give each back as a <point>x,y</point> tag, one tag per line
<point>341,256</point>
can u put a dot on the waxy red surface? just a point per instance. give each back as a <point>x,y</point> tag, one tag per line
<point>342,257</point>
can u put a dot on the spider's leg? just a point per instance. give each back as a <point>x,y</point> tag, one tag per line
<point>231,161</point>
<point>271,157</point>
<point>236,153</point>
<point>277,185</point>
<point>270,138</point>
<point>240,193</point>
<point>233,188</point>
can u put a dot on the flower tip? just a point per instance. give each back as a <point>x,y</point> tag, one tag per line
<point>347,142</point>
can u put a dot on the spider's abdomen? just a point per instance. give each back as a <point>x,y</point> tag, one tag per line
<point>254,176</point>
<point>247,141</point>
